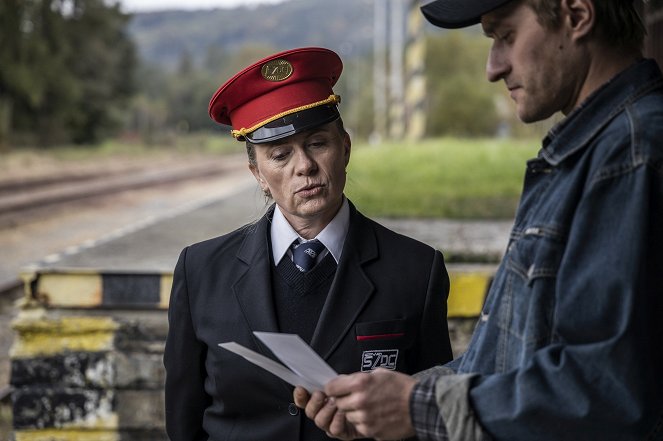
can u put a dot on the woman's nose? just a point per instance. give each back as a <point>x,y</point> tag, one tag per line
<point>305,164</point>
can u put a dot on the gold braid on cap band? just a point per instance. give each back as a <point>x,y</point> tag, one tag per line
<point>333,99</point>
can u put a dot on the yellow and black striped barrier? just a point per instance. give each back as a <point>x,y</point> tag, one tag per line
<point>93,289</point>
<point>87,357</point>
<point>469,285</point>
<point>86,361</point>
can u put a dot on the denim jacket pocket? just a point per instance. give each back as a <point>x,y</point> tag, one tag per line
<point>525,313</point>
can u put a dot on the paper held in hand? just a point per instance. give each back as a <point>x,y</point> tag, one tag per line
<point>304,366</point>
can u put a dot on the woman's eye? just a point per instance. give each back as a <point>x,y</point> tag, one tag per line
<point>279,156</point>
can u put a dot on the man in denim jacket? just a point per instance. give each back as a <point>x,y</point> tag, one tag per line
<point>569,345</point>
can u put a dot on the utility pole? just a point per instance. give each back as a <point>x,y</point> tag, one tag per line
<point>396,93</point>
<point>399,82</point>
<point>415,78</point>
<point>379,71</point>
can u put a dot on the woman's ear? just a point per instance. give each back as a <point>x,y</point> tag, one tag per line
<point>347,146</point>
<point>256,174</point>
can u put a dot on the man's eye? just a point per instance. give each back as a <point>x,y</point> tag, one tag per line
<point>505,37</point>
<point>499,36</point>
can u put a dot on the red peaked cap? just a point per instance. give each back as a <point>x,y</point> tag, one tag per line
<point>284,93</point>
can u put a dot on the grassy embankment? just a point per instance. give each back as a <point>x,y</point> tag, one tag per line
<point>444,177</point>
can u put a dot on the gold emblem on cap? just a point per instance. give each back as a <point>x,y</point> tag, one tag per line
<point>276,70</point>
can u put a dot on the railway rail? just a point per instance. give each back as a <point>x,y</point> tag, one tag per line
<point>24,200</point>
<point>9,287</point>
<point>18,196</point>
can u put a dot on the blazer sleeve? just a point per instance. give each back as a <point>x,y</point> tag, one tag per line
<point>433,346</point>
<point>184,360</point>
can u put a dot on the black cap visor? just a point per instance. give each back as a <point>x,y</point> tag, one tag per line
<point>454,14</point>
<point>294,123</point>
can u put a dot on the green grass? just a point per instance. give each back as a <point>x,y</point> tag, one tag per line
<point>27,160</point>
<point>436,178</point>
<point>217,143</point>
<point>195,143</point>
<point>443,178</point>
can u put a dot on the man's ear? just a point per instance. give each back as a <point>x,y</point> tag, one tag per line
<point>579,17</point>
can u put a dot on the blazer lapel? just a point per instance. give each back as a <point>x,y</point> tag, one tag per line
<point>351,289</point>
<point>253,286</point>
<point>253,289</point>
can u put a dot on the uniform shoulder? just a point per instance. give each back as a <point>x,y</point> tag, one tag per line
<point>223,243</point>
<point>397,240</point>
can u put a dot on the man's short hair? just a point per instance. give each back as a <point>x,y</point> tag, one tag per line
<point>617,24</point>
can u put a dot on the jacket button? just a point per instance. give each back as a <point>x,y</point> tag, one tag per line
<point>293,409</point>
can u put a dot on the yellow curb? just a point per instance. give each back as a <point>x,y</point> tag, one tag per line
<point>467,293</point>
<point>66,435</point>
<point>41,336</point>
<point>77,289</point>
<point>166,286</point>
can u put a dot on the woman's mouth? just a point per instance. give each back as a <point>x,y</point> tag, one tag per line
<point>309,190</point>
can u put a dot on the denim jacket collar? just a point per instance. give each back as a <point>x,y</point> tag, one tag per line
<point>583,123</point>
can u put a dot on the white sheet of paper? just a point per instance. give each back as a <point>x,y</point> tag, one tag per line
<point>299,357</point>
<point>270,365</point>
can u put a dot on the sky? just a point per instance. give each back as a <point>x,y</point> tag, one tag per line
<point>155,5</point>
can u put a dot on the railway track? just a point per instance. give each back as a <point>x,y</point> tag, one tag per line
<point>32,199</point>
<point>41,216</point>
<point>9,287</point>
<point>18,197</point>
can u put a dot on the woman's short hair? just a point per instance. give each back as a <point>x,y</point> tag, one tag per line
<point>251,149</point>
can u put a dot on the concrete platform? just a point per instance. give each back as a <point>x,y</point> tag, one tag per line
<point>125,277</point>
<point>133,267</point>
<point>147,252</point>
<point>153,245</point>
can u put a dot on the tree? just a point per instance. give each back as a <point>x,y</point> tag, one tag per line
<point>461,101</point>
<point>68,69</point>
<point>10,23</point>
<point>103,62</point>
<point>22,50</point>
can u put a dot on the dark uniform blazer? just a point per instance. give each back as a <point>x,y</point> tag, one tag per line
<point>386,307</point>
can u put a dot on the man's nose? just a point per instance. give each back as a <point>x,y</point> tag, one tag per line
<point>496,65</point>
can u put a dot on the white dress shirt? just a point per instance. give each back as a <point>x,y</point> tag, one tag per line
<point>332,236</point>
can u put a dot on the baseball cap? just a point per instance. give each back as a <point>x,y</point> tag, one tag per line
<point>454,14</point>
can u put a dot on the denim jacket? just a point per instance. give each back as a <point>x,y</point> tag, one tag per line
<point>569,345</point>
